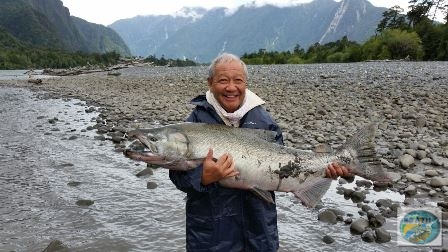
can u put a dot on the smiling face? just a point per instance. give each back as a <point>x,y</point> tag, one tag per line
<point>228,85</point>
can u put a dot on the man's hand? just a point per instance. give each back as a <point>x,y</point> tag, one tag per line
<point>334,170</point>
<point>214,171</point>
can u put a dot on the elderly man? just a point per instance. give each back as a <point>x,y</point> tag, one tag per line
<point>219,218</point>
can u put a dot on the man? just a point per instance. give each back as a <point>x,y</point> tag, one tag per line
<point>219,218</point>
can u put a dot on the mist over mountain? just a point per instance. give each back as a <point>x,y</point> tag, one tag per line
<point>200,34</point>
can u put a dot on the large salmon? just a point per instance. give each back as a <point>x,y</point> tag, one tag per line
<point>263,165</point>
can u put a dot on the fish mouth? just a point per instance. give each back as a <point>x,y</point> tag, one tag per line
<point>142,150</point>
<point>152,158</point>
<point>140,136</point>
<point>145,156</point>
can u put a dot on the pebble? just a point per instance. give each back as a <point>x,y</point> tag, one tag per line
<point>431,173</point>
<point>84,202</point>
<point>382,235</point>
<point>438,161</point>
<point>56,245</point>
<point>375,219</point>
<point>117,139</point>
<point>145,172</point>
<point>411,190</point>
<point>358,196</point>
<point>407,161</point>
<point>432,193</point>
<point>394,176</point>
<point>438,182</point>
<point>72,137</point>
<point>365,183</point>
<point>327,216</point>
<point>366,208</point>
<point>328,239</point>
<point>387,163</point>
<point>384,203</point>
<point>359,226</point>
<point>444,188</point>
<point>73,183</point>
<point>426,161</point>
<point>151,185</point>
<point>368,236</point>
<point>421,154</point>
<point>414,177</point>
<point>53,120</point>
<point>100,137</point>
<point>342,181</point>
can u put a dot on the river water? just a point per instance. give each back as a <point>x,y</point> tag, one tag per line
<point>47,165</point>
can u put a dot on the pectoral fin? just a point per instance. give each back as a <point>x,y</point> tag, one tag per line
<point>311,191</point>
<point>181,165</point>
<point>263,194</point>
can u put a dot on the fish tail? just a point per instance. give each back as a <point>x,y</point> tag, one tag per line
<point>361,159</point>
<point>364,162</point>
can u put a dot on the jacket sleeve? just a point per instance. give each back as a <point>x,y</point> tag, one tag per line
<point>279,136</point>
<point>190,181</point>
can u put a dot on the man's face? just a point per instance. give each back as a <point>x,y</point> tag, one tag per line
<point>228,85</point>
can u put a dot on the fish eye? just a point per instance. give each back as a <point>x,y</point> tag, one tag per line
<point>152,138</point>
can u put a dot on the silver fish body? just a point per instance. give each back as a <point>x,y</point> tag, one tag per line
<point>263,165</point>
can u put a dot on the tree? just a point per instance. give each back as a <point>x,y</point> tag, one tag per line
<point>392,19</point>
<point>421,9</point>
<point>439,6</point>
<point>394,44</point>
<point>298,50</point>
<point>418,11</point>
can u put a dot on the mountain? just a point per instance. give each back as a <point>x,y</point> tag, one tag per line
<point>100,38</point>
<point>48,24</point>
<point>58,18</point>
<point>7,41</point>
<point>145,34</point>
<point>19,19</point>
<point>200,35</point>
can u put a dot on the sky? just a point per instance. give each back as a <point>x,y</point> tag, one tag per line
<point>106,12</point>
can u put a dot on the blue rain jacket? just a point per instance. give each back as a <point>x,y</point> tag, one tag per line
<point>225,219</point>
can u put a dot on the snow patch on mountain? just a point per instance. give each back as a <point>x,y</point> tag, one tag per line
<point>336,19</point>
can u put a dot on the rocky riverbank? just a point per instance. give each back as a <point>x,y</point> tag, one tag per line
<point>313,104</point>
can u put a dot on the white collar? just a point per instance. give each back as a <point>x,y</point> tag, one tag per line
<point>251,100</point>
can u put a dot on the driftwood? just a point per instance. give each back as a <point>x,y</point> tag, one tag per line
<point>70,72</point>
<point>92,69</point>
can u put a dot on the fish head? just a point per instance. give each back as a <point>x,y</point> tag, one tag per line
<point>158,146</point>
